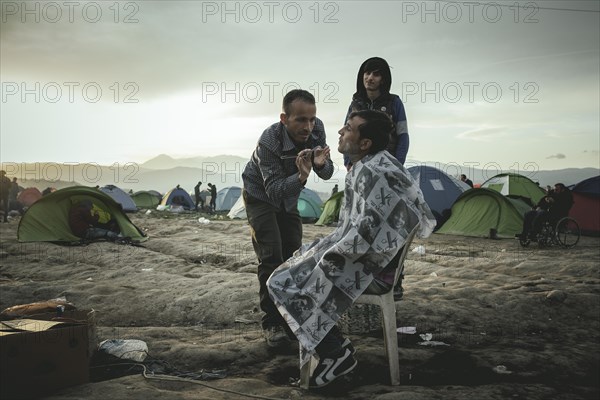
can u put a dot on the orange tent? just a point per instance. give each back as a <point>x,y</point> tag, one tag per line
<point>29,196</point>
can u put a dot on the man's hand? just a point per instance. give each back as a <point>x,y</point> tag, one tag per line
<point>304,164</point>
<point>321,156</point>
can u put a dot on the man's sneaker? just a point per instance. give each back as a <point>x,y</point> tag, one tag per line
<point>347,344</point>
<point>275,336</point>
<point>330,369</point>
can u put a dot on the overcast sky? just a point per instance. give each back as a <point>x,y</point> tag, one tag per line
<point>511,83</point>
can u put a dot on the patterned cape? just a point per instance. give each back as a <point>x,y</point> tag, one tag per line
<point>382,204</point>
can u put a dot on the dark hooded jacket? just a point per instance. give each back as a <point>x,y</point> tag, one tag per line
<point>386,102</point>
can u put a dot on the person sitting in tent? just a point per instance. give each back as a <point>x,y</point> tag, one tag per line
<point>178,201</point>
<point>85,224</point>
<point>551,207</point>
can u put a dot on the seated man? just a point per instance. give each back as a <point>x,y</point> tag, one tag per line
<point>551,207</point>
<point>85,225</point>
<point>347,262</point>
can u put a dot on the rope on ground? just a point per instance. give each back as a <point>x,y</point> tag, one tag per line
<point>178,379</point>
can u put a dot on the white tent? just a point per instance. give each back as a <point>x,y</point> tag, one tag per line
<point>238,210</point>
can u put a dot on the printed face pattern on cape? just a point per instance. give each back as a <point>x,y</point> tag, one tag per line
<point>382,204</point>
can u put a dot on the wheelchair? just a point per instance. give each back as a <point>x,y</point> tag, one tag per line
<point>563,233</point>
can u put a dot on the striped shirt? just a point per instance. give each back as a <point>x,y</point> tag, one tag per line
<point>270,178</point>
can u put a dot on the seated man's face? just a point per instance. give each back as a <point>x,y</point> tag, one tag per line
<point>349,142</point>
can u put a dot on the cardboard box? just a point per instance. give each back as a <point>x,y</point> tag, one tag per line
<point>41,354</point>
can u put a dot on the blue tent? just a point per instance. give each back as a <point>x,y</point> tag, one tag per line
<point>120,197</point>
<point>178,196</point>
<point>440,190</point>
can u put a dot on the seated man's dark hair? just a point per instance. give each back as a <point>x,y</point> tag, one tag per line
<point>296,94</point>
<point>377,128</point>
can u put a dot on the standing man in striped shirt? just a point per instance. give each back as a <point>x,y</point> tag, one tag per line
<point>285,154</point>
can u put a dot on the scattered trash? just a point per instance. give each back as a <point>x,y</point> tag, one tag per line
<point>433,274</point>
<point>162,207</point>
<point>203,220</point>
<point>58,305</point>
<point>428,342</point>
<point>147,269</point>
<point>89,279</point>
<point>501,369</point>
<point>148,212</point>
<point>556,295</point>
<point>214,374</point>
<point>420,250</point>
<point>126,349</point>
<point>408,330</point>
<point>242,320</point>
<point>432,343</point>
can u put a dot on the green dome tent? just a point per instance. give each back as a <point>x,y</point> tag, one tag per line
<point>146,199</point>
<point>331,209</point>
<point>515,186</point>
<point>476,211</point>
<point>309,205</point>
<point>48,219</point>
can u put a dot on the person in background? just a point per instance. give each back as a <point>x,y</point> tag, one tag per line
<point>466,180</point>
<point>213,197</point>
<point>334,190</point>
<point>4,194</point>
<point>84,223</point>
<point>373,84</point>
<point>13,203</point>
<point>198,199</point>
<point>551,207</point>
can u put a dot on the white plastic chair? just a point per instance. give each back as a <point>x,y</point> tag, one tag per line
<point>388,310</point>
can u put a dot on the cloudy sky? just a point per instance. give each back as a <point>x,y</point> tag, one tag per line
<point>511,83</point>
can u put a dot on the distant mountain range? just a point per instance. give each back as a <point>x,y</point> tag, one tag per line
<point>164,161</point>
<point>164,172</point>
